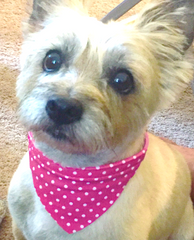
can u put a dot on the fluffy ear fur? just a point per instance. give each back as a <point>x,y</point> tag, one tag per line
<point>43,9</point>
<point>166,28</point>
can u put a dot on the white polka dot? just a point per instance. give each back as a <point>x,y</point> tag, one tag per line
<point>110,176</point>
<point>126,175</point>
<point>122,173</point>
<point>48,163</point>
<point>132,168</point>
<point>117,169</point>
<point>74,231</point>
<point>58,189</point>
<point>57,200</point>
<point>111,165</point>
<point>89,174</point>
<point>65,186</point>
<point>100,193</point>
<point>52,181</point>
<point>98,168</point>
<point>92,199</point>
<point>64,196</point>
<point>40,186</point>
<point>41,175</point>
<point>66,177</point>
<point>73,182</point>
<point>97,215</point>
<point>75,220</point>
<point>114,179</point>
<point>50,203</point>
<point>83,215</point>
<point>139,160</point>
<point>60,169</point>
<point>51,192</point>
<point>104,172</point>
<point>74,173</point>
<point>95,179</point>
<point>33,168</point>
<point>38,156</point>
<point>34,157</point>
<point>56,210</point>
<point>119,183</point>
<point>101,182</point>
<point>134,157</point>
<point>81,226</point>
<point>105,197</point>
<point>118,194</point>
<point>42,164</point>
<point>69,214</point>
<point>60,178</point>
<point>91,210</point>
<point>104,209</point>
<point>94,188</point>
<point>128,165</point>
<point>38,166</point>
<point>143,151</point>
<point>85,204</point>
<point>62,217</point>
<point>86,193</point>
<point>83,168</point>
<point>80,188</point>
<point>48,173</point>
<point>71,203</point>
<point>123,161</point>
<point>89,221</point>
<point>81,179</point>
<point>63,207</point>
<point>98,204</point>
<point>107,186</point>
<point>88,183</point>
<point>37,177</point>
<point>112,190</point>
<point>53,171</point>
<point>111,202</point>
<point>45,195</point>
<point>77,209</point>
<point>78,198</point>
<point>68,224</point>
<point>72,192</point>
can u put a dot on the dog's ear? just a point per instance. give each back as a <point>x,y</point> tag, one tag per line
<point>166,29</point>
<point>171,15</point>
<point>43,9</point>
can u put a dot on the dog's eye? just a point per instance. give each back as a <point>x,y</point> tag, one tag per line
<point>122,82</point>
<point>52,61</point>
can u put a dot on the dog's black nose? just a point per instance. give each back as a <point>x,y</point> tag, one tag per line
<point>64,111</point>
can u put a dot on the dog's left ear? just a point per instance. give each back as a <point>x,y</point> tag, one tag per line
<point>170,15</point>
<point>166,29</point>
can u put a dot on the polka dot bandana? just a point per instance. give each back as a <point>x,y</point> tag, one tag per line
<point>76,197</point>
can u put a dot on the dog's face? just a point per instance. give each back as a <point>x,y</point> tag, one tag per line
<point>89,86</point>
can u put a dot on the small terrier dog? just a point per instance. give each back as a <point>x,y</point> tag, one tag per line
<point>87,90</point>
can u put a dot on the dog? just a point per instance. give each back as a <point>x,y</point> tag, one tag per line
<point>86,93</point>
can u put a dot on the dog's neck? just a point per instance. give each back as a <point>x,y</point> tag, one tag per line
<point>105,156</point>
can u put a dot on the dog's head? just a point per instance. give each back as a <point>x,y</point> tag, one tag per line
<point>89,86</point>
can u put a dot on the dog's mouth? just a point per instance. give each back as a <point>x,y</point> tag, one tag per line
<point>57,133</point>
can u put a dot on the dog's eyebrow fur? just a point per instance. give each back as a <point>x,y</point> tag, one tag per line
<point>116,58</point>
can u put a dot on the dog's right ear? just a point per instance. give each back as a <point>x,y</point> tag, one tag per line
<point>43,9</point>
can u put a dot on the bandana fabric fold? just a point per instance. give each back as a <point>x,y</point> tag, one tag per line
<point>76,197</point>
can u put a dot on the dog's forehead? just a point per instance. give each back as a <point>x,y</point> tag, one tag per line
<point>71,28</point>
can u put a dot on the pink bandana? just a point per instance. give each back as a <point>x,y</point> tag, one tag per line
<point>76,197</point>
